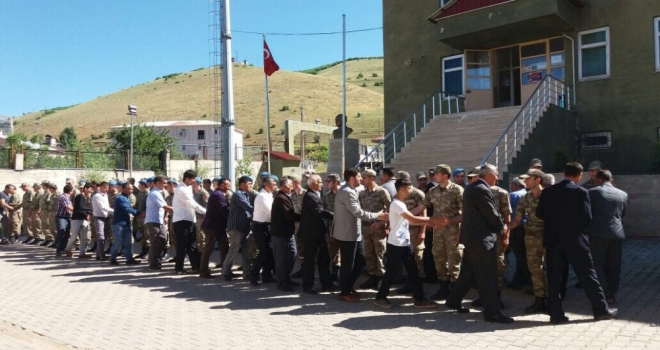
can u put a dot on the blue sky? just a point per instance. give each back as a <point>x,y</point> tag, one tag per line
<point>58,53</point>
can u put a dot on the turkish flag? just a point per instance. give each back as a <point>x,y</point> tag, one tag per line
<point>270,66</point>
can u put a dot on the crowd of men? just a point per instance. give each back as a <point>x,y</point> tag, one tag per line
<point>456,230</point>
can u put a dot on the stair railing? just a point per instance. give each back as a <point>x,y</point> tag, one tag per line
<point>438,104</point>
<point>549,91</point>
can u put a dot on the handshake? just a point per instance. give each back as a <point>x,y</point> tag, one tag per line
<point>438,222</point>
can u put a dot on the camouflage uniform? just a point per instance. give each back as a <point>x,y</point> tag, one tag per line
<point>44,205</point>
<point>534,243</point>
<point>297,207</point>
<point>202,198</point>
<point>36,219</point>
<point>415,199</point>
<point>15,216</point>
<point>447,253</point>
<point>375,241</point>
<point>333,243</point>
<point>28,213</point>
<point>52,208</point>
<point>112,198</point>
<point>503,207</point>
<point>589,184</point>
<point>142,207</point>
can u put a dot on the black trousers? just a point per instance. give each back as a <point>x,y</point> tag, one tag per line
<point>517,246</point>
<point>395,257</point>
<point>284,250</point>
<point>607,262</point>
<point>223,244</point>
<point>185,244</point>
<point>265,260</point>
<point>316,251</point>
<point>429,262</point>
<point>352,263</point>
<point>480,264</point>
<point>557,259</point>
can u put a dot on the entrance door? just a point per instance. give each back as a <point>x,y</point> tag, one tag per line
<point>508,77</point>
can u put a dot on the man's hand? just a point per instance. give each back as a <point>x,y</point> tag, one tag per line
<point>421,236</point>
<point>383,216</point>
<point>505,238</point>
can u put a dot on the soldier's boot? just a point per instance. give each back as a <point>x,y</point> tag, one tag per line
<point>442,292</point>
<point>143,253</point>
<point>372,282</point>
<point>539,306</point>
<point>335,273</point>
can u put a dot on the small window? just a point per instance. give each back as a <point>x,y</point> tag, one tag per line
<point>200,134</point>
<point>443,3</point>
<point>533,50</point>
<point>215,131</point>
<point>597,140</point>
<point>656,39</point>
<point>183,148</point>
<point>478,70</point>
<point>594,54</point>
<point>452,75</point>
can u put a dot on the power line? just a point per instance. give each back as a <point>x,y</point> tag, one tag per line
<point>307,34</point>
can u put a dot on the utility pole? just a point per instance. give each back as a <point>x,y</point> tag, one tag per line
<point>302,139</point>
<point>228,158</point>
<point>132,111</point>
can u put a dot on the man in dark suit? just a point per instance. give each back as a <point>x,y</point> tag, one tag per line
<point>480,226</point>
<point>312,231</point>
<point>282,227</point>
<point>606,236</point>
<point>566,211</point>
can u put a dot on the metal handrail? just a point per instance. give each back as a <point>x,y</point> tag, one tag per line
<point>549,91</point>
<point>438,103</point>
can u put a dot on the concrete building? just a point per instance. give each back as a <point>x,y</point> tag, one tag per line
<point>196,139</point>
<point>495,53</point>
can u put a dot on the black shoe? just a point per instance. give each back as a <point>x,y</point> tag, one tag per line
<point>372,282</point>
<point>330,288</point>
<point>46,243</point>
<point>539,306</point>
<point>143,253</point>
<point>27,241</point>
<point>287,289</point>
<point>476,303</point>
<point>172,259</point>
<point>133,262</point>
<point>218,266</point>
<point>155,268</point>
<point>311,291</point>
<point>35,242</point>
<point>500,319</point>
<point>297,274</point>
<point>610,314</point>
<point>558,320</point>
<point>442,292</point>
<point>52,246</point>
<point>457,307</point>
<point>404,290</point>
<point>269,279</point>
<point>293,284</point>
<point>114,262</point>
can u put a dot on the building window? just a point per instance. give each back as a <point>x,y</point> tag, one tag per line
<point>444,3</point>
<point>656,38</point>
<point>478,70</point>
<point>200,134</point>
<point>183,148</point>
<point>215,131</point>
<point>594,53</point>
<point>597,140</point>
<point>452,75</point>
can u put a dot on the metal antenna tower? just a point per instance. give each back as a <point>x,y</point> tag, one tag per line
<point>215,82</point>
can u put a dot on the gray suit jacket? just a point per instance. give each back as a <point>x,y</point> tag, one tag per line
<point>608,205</point>
<point>348,213</point>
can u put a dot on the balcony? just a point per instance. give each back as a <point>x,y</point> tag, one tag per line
<point>508,23</point>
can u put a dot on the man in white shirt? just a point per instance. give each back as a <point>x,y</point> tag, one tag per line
<point>101,209</point>
<point>263,204</point>
<point>183,219</point>
<point>400,250</point>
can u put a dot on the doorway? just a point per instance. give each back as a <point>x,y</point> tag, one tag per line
<point>507,92</point>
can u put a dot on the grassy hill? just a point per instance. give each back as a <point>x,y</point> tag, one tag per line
<point>186,96</point>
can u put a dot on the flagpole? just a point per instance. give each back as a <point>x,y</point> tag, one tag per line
<point>267,115</point>
<point>343,124</point>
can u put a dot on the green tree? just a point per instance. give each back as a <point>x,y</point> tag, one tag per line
<point>147,143</point>
<point>68,138</point>
<point>16,139</point>
<point>38,139</point>
<point>243,167</point>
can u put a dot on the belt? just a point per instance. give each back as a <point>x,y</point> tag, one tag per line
<point>260,223</point>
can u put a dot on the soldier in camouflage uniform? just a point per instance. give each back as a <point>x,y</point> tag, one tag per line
<point>142,208</point>
<point>297,194</point>
<point>52,208</point>
<point>36,220</point>
<point>594,168</point>
<point>16,215</point>
<point>533,238</point>
<point>503,206</point>
<point>44,205</point>
<point>332,184</point>
<point>28,212</point>
<point>201,196</point>
<point>374,199</point>
<point>447,201</point>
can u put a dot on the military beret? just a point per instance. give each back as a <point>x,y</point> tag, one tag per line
<point>198,180</point>
<point>112,183</point>
<point>275,178</point>
<point>264,174</point>
<point>368,172</point>
<point>535,162</point>
<point>595,165</point>
<point>474,172</point>
<point>150,179</point>
<point>143,181</point>
<point>421,175</point>
<point>443,168</point>
<point>173,181</point>
<point>218,178</point>
<point>403,175</point>
<point>457,171</point>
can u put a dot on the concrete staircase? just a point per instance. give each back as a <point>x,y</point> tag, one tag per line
<point>459,140</point>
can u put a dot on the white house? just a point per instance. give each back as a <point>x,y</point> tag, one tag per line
<point>196,138</point>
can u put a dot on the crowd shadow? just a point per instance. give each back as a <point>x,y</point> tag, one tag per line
<point>637,295</point>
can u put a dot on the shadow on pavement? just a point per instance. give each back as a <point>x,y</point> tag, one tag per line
<point>637,295</point>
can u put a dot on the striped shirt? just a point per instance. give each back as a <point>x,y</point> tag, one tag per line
<point>241,212</point>
<point>62,202</point>
<point>155,211</point>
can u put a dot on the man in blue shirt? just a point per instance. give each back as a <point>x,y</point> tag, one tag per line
<point>517,240</point>
<point>238,228</point>
<point>155,221</point>
<point>121,226</point>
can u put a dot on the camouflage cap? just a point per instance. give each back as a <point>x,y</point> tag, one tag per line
<point>532,172</point>
<point>535,162</point>
<point>403,175</point>
<point>368,172</point>
<point>421,175</point>
<point>474,172</point>
<point>45,182</point>
<point>25,184</point>
<point>595,165</point>
<point>333,177</point>
<point>443,169</point>
<point>36,184</point>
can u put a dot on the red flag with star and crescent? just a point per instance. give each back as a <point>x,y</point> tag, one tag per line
<point>270,66</point>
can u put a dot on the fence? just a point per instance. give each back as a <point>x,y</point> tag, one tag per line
<point>45,159</point>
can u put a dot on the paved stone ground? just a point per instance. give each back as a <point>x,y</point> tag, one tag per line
<point>60,303</point>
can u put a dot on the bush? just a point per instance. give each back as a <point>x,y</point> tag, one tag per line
<point>360,75</point>
<point>272,126</point>
<point>261,131</point>
<point>247,136</point>
<point>375,75</point>
<point>318,152</point>
<point>284,108</point>
<point>364,85</point>
<point>359,115</point>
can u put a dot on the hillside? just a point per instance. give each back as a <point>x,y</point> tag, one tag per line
<point>186,97</point>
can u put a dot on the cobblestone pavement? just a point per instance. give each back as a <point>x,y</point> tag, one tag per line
<point>89,304</point>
